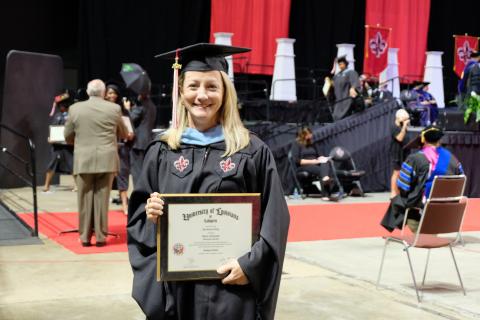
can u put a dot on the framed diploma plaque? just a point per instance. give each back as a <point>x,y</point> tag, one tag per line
<point>56,134</point>
<point>197,233</point>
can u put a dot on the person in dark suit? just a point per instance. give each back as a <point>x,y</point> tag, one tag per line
<point>143,117</point>
<point>92,126</point>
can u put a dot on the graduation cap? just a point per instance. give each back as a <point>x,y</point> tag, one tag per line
<point>474,54</point>
<point>202,56</point>
<point>431,134</point>
<point>116,86</point>
<point>342,59</point>
<point>420,83</point>
<point>198,57</point>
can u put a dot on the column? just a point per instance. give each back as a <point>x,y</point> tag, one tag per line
<point>283,82</point>
<point>389,76</point>
<point>346,49</point>
<point>434,75</point>
<point>225,38</point>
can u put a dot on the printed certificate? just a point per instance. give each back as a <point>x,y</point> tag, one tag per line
<point>199,232</point>
<point>56,134</point>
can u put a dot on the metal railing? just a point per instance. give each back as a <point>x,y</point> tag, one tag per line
<point>30,169</point>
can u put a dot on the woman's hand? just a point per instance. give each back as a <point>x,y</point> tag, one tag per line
<point>323,159</point>
<point>154,207</point>
<point>235,276</point>
<point>127,104</point>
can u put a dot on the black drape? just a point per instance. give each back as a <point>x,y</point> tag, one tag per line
<point>111,33</point>
<point>318,26</point>
<point>448,18</point>
<point>366,135</point>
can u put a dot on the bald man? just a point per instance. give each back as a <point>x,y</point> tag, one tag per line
<point>399,131</point>
<point>93,126</point>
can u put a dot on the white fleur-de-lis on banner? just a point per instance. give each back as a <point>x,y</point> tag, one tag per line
<point>377,45</point>
<point>464,52</point>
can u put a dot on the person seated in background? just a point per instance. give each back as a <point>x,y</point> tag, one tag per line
<point>366,91</point>
<point>308,159</point>
<point>416,178</point>
<point>397,154</point>
<point>425,103</point>
<point>62,153</point>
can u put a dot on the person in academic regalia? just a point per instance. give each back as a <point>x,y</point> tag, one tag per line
<point>143,115</point>
<point>114,94</point>
<point>470,79</point>
<point>416,178</point>
<point>208,150</point>
<point>425,103</point>
<point>346,87</point>
<point>62,153</point>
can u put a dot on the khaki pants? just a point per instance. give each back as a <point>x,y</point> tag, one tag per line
<point>413,224</point>
<point>93,197</point>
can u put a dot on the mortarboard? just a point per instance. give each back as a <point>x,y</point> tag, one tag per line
<point>114,85</point>
<point>420,83</point>
<point>203,56</point>
<point>198,57</point>
<point>474,54</point>
<point>431,134</point>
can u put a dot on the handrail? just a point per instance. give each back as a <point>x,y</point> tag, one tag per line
<point>32,172</point>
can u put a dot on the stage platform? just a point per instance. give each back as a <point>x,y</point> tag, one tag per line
<point>323,279</point>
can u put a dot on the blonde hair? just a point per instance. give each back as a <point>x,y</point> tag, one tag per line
<point>235,134</point>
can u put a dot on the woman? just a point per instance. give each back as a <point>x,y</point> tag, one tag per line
<point>307,159</point>
<point>397,153</point>
<point>112,94</point>
<point>62,153</point>
<point>188,159</point>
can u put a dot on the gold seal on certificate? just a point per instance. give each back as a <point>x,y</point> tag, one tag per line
<point>197,233</point>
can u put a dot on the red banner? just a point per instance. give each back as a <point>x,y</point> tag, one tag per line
<point>255,24</point>
<point>464,45</point>
<point>408,20</point>
<point>376,50</point>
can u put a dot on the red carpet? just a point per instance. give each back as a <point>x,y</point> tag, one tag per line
<point>308,223</point>
<point>353,220</point>
<point>50,225</point>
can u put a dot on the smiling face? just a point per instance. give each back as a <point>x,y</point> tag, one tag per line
<point>202,94</point>
<point>111,95</point>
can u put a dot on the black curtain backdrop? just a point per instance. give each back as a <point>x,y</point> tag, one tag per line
<point>111,33</point>
<point>318,26</point>
<point>448,18</point>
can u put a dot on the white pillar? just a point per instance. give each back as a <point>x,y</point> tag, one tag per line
<point>225,38</point>
<point>346,49</point>
<point>434,75</point>
<point>391,73</point>
<point>283,81</point>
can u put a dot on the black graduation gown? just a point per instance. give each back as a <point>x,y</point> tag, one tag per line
<point>254,171</point>
<point>62,154</point>
<point>414,174</point>
<point>343,81</point>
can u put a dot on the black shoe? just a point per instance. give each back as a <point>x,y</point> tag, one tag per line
<point>337,196</point>
<point>100,244</point>
<point>86,244</point>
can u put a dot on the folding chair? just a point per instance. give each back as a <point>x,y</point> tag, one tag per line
<point>302,180</point>
<point>438,216</point>
<point>345,173</point>
<point>444,188</point>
